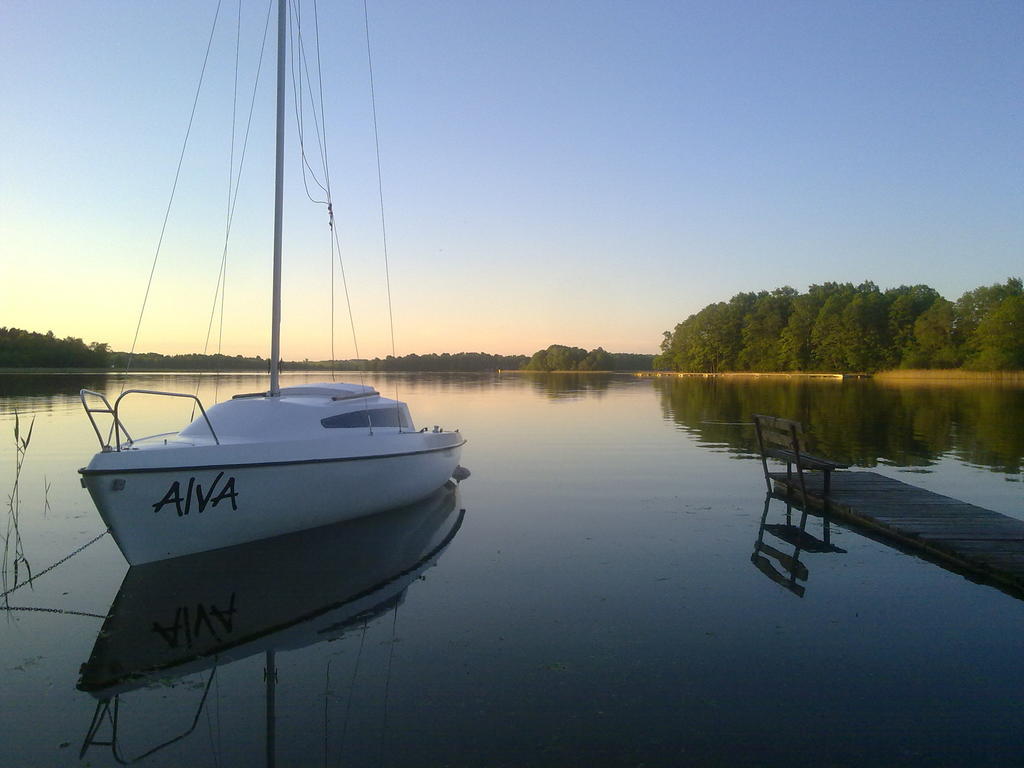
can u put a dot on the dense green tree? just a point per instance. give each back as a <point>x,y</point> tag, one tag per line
<point>795,347</point>
<point>843,327</point>
<point>935,343</point>
<point>596,360</point>
<point>558,357</point>
<point>865,322</point>
<point>629,361</point>
<point>762,328</point>
<point>906,305</point>
<point>974,305</point>
<point>830,339</point>
<point>999,338</point>
<point>712,339</point>
<point>672,347</point>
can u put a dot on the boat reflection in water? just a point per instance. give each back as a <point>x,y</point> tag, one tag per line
<point>192,614</point>
<point>782,568</point>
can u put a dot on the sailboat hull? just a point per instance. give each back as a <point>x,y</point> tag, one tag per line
<point>155,513</point>
<point>192,613</point>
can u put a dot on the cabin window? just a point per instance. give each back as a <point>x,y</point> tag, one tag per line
<point>374,417</point>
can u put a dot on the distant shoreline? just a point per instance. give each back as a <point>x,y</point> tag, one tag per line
<point>527,370</point>
<point>909,375</point>
<point>753,375</point>
<point>898,374</point>
<point>252,371</point>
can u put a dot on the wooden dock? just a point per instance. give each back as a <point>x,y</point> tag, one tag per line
<point>966,538</point>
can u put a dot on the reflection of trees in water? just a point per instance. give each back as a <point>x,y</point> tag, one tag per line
<point>559,385</point>
<point>861,422</point>
<point>39,392</point>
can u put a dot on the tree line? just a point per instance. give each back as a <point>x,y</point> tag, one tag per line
<point>28,349</point>
<point>558,357</point>
<point>432,362</point>
<point>844,327</point>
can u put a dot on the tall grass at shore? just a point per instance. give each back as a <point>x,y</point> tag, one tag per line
<point>14,562</point>
<point>957,375</point>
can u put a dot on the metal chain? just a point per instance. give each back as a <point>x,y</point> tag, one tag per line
<point>53,610</point>
<point>50,568</point>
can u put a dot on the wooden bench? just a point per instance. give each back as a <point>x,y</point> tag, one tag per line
<point>783,439</point>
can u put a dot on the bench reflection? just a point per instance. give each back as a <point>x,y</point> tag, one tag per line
<point>784,569</point>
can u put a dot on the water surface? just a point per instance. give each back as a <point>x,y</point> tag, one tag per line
<point>596,603</point>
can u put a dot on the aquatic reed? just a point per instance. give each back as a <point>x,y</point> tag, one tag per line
<point>950,376</point>
<point>14,561</point>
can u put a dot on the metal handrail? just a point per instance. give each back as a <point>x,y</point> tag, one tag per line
<point>127,392</point>
<point>119,425</point>
<point>108,408</point>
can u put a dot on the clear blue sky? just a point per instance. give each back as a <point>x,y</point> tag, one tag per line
<point>554,172</point>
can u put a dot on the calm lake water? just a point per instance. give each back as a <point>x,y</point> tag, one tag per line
<point>587,597</point>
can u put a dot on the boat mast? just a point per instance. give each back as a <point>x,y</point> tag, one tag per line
<point>275,330</point>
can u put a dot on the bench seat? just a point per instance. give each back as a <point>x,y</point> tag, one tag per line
<point>783,439</point>
<point>805,460</point>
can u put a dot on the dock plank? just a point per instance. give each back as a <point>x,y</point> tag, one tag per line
<point>970,538</point>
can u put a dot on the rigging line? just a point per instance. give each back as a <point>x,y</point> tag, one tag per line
<point>387,687</point>
<point>320,86</point>
<point>238,179</point>
<point>327,180</point>
<point>220,329</point>
<point>327,693</point>
<point>332,307</point>
<point>344,283</point>
<point>320,126</point>
<point>174,187</point>
<point>297,106</point>
<point>352,688</point>
<point>218,746</point>
<point>351,317</point>
<point>231,198</point>
<point>380,192</point>
<point>327,171</point>
<point>298,52</point>
<point>309,87</point>
<point>332,221</point>
<point>220,289</point>
<point>209,733</point>
<point>321,138</point>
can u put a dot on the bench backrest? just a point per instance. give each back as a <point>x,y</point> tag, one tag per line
<point>773,431</point>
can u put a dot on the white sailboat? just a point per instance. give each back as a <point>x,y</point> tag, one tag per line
<point>236,473</point>
<point>198,614</point>
<point>193,613</point>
